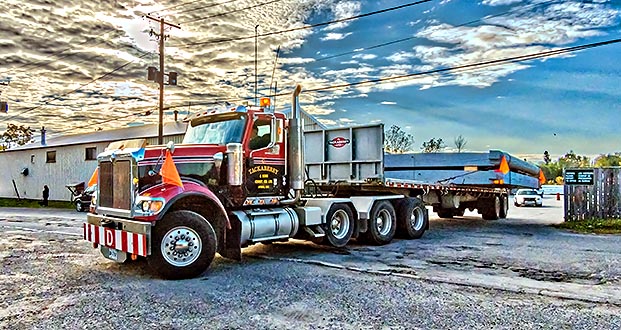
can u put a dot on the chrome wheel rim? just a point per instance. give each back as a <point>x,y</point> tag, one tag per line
<point>383,221</point>
<point>417,218</point>
<point>339,224</point>
<point>181,246</point>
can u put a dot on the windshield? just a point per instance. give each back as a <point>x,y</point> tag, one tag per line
<point>218,130</point>
<point>527,192</point>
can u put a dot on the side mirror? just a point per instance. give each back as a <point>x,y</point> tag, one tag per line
<point>171,146</point>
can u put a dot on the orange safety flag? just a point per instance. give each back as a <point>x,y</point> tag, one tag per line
<point>169,171</point>
<point>94,177</point>
<point>504,166</point>
<point>542,177</point>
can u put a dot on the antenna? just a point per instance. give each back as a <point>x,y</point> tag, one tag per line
<point>273,71</point>
<point>255,62</point>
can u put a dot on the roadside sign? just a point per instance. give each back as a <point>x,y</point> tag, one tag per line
<point>579,176</point>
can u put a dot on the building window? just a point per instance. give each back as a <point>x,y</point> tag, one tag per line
<point>91,153</point>
<point>50,157</point>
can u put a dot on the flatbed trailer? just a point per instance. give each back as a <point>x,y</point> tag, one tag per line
<point>351,160</point>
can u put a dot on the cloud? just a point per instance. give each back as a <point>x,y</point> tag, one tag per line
<point>335,36</point>
<point>400,56</point>
<point>388,103</point>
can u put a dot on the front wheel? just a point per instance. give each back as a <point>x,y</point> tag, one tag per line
<point>183,246</point>
<point>78,206</point>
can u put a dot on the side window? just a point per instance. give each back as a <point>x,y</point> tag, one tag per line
<point>261,134</point>
<point>50,157</point>
<point>90,153</point>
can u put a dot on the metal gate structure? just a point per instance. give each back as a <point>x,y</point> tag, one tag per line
<point>592,193</point>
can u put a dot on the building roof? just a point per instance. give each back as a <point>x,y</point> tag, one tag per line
<point>132,132</point>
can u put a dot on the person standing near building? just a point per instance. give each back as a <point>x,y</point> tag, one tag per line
<point>46,195</point>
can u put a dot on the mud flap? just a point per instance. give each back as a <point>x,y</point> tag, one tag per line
<point>232,248</point>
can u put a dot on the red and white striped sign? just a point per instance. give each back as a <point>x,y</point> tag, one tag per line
<point>117,239</point>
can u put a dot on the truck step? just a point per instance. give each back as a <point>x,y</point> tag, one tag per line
<point>315,231</point>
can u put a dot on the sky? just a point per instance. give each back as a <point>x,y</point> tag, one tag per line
<point>79,66</point>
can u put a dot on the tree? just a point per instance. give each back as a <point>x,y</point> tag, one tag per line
<point>460,143</point>
<point>397,140</point>
<point>16,135</point>
<point>608,160</point>
<point>572,160</point>
<point>546,157</point>
<point>433,145</point>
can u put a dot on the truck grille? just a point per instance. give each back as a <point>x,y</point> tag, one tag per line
<point>115,184</point>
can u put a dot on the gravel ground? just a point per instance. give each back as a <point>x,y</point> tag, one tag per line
<point>464,273</point>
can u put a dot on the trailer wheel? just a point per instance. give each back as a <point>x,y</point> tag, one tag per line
<point>412,217</point>
<point>183,246</point>
<point>491,208</point>
<point>445,213</point>
<point>450,213</point>
<point>339,226</point>
<point>504,206</point>
<point>382,223</point>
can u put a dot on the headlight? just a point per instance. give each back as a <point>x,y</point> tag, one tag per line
<point>150,205</point>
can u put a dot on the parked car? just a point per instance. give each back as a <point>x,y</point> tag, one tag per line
<point>81,197</point>
<point>525,197</point>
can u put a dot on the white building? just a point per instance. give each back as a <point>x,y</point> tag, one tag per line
<point>67,159</point>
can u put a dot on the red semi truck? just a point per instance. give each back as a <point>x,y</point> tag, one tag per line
<point>328,186</point>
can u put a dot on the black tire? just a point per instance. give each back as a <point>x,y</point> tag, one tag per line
<point>491,208</point>
<point>78,206</point>
<point>382,224</point>
<point>516,204</point>
<point>450,213</point>
<point>175,241</point>
<point>504,207</point>
<point>445,213</point>
<point>339,226</point>
<point>412,218</point>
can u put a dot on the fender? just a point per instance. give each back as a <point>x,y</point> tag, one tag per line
<point>172,193</point>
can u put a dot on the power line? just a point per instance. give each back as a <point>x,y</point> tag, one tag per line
<point>514,59</point>
<point>40,63</point>
<point>360,50</point>
<point>460,68</point>
<point>204,7</point>
<point>231,12</point>
<point>305,27</point>
<point>78,88</point>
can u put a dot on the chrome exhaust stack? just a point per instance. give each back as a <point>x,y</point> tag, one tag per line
<point>295,150</point>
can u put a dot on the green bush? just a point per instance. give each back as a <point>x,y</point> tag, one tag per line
<point>33,203</point>
<point>593,226</point>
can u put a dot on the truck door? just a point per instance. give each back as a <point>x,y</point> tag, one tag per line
<point>265,170</point>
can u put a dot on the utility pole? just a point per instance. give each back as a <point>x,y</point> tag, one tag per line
<point>160,75</point>
<point>256,36</point>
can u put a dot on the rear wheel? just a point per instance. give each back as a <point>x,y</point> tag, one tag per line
<point>184,245</point>
<point>339,226</point>
<point>504,206</point>
<point>412,217</point>
<point>382,223</point>
<point>491,208</point>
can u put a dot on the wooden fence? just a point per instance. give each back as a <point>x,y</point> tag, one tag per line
<point>601,199</point>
